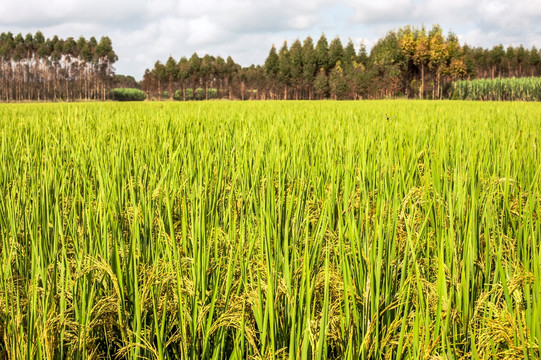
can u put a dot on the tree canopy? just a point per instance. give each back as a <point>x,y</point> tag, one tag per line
<point>410,62</point>
<point>33,67</point>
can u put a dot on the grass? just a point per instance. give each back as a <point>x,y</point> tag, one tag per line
<point>270,230</point>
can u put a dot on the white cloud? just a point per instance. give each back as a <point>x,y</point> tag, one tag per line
<point>203,31</point>
<point>381,11</point>
<point>144,31</point>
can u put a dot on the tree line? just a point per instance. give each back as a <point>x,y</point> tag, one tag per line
<point>35,68</point>
<point>408,62</point>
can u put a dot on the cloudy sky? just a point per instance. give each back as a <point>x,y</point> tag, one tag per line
<point>144,31</point>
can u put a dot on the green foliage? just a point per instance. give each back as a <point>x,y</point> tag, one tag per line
<point>54,68</point>
<point>178,95</point>
<point>128,94</point>
<point>271,63</point>
<point>199,94</point>
<point>337,83</point>
<point>321,84</point>
<point>278,230</point>
<point>124,81</point>
<point>523,89</point>
<point>336,52</point>
<point>409,62</point>
<point>321,53</point>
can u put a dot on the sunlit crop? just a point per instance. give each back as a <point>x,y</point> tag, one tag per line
<point>287,230</point>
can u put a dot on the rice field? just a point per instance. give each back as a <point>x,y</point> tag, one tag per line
<point>270,230</point>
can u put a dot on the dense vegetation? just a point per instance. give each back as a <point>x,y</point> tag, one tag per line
<point>35,68</point>
<point>410,62</point>
<point>128,94</point>
<point>355,230</point>
<point>523,89</point>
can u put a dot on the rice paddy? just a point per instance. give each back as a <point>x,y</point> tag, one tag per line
<point>270,230</point>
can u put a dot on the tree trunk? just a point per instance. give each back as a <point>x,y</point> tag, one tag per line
<point>422,88</point>
<point>242,90</point>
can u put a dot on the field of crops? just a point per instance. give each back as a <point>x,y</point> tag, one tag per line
<point>505,89</point>
<point>270,230</point>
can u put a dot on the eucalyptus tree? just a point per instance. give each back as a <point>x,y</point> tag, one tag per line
<point>496,57</point>
<point>535,61</point>
<point>296,66</point>
<point>183,74</point>
<point>206,71</point>
<point>411,62</point>
<point>336,53</point>
<point>271,70</point>
<point>322,53</point>
<point>171,73</point>
<point>309,63</point>
<point>349,54</point>
<point>37,68</point>
<point>230,73</point>
<point>284,69</point>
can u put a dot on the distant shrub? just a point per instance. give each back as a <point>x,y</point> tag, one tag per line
<point>199,94</point>
<point>177,95</point>
<point>128,94</point>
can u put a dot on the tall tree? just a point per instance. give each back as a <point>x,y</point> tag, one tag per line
<point>535,61</point>
<point>284,69</point>
<point>321,84</point>
<point>171,73</point>
<point>437,58</point>
<point>336,52</point>
<point>337,82</point>
<point>296,66</point>
<point>231,70</point>
<point>271,70</point>
<point>349,54</point>
<point>183,74</point>
<point>309,65</point>
<point>36,68</point>
<point>496,57</point>
<point>422,57</point>
<point>322,54</point>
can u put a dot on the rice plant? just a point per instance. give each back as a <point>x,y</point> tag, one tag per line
<point>270,230</point>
